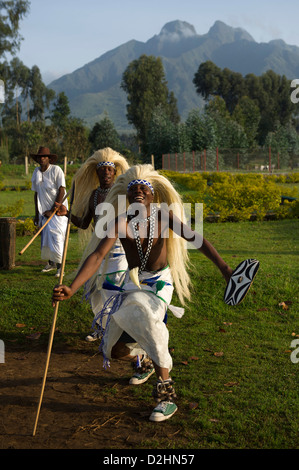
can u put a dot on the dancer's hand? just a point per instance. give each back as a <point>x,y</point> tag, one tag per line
<point>226,273</point>
<point>61,292</point>
<point>47,213</point>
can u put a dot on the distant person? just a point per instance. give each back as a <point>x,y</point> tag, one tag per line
<point>48,184</point>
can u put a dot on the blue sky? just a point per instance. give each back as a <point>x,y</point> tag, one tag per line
<point>63,35</point>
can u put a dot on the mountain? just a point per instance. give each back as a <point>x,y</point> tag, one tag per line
<point>94,89</point>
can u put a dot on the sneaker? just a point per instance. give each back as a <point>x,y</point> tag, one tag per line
<point>143,372</point>
<point>93,336</point>
<point>49,267</point>
<point>58,272</point>
<point>164,410</point>
<point>138,379</point>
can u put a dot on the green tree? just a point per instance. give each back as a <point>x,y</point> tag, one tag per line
<point>285,141</point>
<point>196,129</point>
<point>103,134</point>
<point>18,82</point>
<point>248,115</point>
<point>75,143</point>
<point>207,79</point>
<point>269,92</point>
<point>40,95</point>
<point>161,136</point>
<point>146,87</point>
<point>11,12</point>
<point>60,112</point>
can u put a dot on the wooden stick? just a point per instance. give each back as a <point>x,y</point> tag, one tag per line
<point>54,317</point>
<point>42,228</point>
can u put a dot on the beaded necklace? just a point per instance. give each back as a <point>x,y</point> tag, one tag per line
<point>143,222</point>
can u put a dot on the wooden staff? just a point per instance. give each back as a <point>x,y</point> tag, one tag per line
<point>55,312</point>
<point>42,228</point>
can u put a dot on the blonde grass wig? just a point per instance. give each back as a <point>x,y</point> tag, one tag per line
<point>164,192</point>
<point>86,181</point>
<point>86,178</point>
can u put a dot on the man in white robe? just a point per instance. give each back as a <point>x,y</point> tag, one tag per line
<point>48,184</point>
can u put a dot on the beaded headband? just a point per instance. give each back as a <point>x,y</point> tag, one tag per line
<point>100,164</point>
<point>141,182</point>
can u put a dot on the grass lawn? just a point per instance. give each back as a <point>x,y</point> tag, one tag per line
<point>235,380</point>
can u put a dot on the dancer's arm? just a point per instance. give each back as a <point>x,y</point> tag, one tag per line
<point>88,269</point>
<point>203,245</point>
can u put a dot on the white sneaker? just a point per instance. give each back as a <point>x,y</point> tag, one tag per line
<point>163,411</point>
<point>138,379</point>
<point>49,267</point>
<point>143,372</point>
<point>58,273</point>
<point>94,336</point>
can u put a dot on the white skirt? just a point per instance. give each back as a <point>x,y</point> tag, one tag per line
<point>141,314</point>
<point>52,238</point>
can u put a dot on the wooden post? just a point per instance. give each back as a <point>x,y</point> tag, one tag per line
<point>7,242</point>
<point>26,165</point>
<point>65,165</point>
<point>153,161</point>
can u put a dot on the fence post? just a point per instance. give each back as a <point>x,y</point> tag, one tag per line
<point>7,242</point>
<point>153,161</point>
<point>65,165</point>
<point>26,165</point>
<point>193,160</point>
<point>269,159</point>
<point>278,160</point>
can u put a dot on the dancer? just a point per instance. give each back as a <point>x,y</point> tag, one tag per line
<point>156,250</point>
<point>93,182</point>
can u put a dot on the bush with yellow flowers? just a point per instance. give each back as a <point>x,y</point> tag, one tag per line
<point>231,196</point>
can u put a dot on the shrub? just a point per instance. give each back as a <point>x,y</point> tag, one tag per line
<point>26,227</point>
<point>12,210</point>
<point>237,196</point>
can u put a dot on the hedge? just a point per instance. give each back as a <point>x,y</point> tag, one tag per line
<point>229,196</point>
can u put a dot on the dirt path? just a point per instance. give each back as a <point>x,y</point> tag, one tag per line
<point>83,407</point>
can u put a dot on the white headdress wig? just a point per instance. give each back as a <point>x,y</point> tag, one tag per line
<point>86,178</point>
<point>164,192</point>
